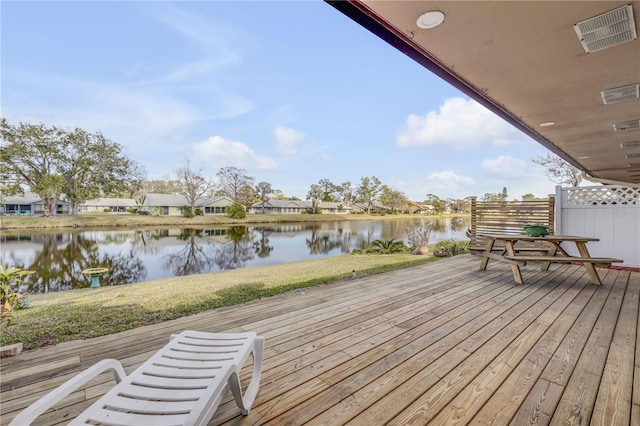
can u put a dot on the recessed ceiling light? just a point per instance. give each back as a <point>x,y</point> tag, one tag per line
<point>634,164</point>
<point>629,144</point>
<point>584,157</point>
<point>632,155</point>
<point>430,19</point>
<point>547,124</point>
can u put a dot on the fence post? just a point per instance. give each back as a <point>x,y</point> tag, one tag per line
<point>473,215</point>
<point>558,210</point>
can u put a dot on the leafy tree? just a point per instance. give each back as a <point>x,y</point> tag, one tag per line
<point>394,199</point>
<point>456,205</point>
<point>94,166</point>
<point>263,191</point>
<point>495,197</point>
<point>346,192</point>
<point>528,196</point>
<point>315,194</point>
<point>236,184</point>
<point>558,170</point>
<point>329,190</point>
<point>31,153</point>
<point>439,205</point>
<point>159,186</point>
<point>192,185</point>
<point>52,161</point>
<point>368,191</point>
<point>279,195</point>
<point>236,211</point>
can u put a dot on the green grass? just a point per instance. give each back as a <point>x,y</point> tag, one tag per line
<point>80,314</point>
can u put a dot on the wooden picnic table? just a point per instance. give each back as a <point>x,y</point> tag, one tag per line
<point>550,249</point>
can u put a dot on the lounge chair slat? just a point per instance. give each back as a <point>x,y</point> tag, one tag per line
<point>119,403</point>
<point>108,417</point>
<point>147,393</point>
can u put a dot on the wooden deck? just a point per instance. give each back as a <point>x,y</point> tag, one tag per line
<point>441,343</point>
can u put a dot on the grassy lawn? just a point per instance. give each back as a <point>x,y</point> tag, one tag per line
<point>80,314</point>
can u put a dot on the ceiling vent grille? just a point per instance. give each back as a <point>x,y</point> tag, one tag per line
<point>620,94</point>
<point>629,144</point>
<point>626,125</point>
<point>607,30</point>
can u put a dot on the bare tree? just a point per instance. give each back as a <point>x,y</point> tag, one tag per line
<point>315,194</point>
<point>236,184</point>
<point>558,170</point>
<point>192,185</point>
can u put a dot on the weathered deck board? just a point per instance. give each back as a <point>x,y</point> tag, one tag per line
<point>432,344</point>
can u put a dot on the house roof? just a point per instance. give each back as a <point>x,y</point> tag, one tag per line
<point>28,198</point>
<point>177,200</point>
<point>282,204</point>
<point>110,201</point>
<point>524,61</point>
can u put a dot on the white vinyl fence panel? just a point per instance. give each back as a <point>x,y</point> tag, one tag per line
<point>610,213</point>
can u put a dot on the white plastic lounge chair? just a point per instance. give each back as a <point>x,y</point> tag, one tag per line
<point>181,384</point>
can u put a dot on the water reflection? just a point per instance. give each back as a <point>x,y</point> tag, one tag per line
<point>140,255</point>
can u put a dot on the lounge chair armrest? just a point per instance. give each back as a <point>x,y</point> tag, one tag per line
<point>28,415</point>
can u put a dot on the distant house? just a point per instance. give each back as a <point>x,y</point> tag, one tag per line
<point>280,207</point>
<point>31,204</point>
<point>112,205</point>
<point>334,208</point>
<point>297,207</point>
<point>375,208</point>
<point>172,204</point>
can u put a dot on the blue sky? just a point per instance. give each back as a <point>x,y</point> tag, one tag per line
<point>291,91</point>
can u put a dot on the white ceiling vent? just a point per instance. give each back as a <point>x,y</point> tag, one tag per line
<point>620,94</point>
<point>629,144</point>
<point>626,125</point>
<point>607,30</point>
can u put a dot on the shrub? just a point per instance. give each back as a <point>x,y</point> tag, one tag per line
<point>382,247</point>
<point>10,299</point>
<point>199,212</point>
<point>388,246</point>
<point>452,247</point>
<point>186,211</point>
<point>236,211</point>
<point>133,210</point>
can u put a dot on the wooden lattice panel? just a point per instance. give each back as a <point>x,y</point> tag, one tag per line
<point>603,196</point>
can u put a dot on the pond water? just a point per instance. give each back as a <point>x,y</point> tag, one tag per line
<point>135,255</point>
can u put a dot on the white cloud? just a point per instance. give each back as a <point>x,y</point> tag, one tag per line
<point>444,183</point>
<point>288,140</point>
<point>225,152</point>
<point>506,166</point>
<point>448,180</point>
<point>459,123</point>
<point>330,159</point>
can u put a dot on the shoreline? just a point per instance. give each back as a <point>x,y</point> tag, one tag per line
<point>12,223</point>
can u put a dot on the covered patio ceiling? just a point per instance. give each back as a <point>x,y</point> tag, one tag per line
<point>525,61</point>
